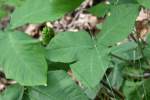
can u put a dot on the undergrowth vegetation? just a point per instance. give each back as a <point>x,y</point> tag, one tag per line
<point>111,62</point>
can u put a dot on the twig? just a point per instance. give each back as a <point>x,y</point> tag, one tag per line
<point>114,90</point>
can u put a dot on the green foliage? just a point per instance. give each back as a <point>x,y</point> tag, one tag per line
<point>5,3</point>
<point>103,64</point>
<point>47,35</point>
<point>17,48</point>
<point>99,10</point>
<point>80,47</point>
<point>145,3</point>
<point>135,90</point>
<point>15,3</point>
<point>128,51</point>
<point>147,49</point>
<point>123,1</point>
<point>14,92</point>
<point>2,13</point>
<point>121,21</point>
<point>42,11</point>
<point>60,87</point>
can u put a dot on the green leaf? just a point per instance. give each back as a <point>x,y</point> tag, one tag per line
<point>119,24</point>
<point>38,11</point>
<point>138,90</point>
<point>60,87</point>
<point>92,92</point>
<point>15,3</point>
<point>99,10</point>
<point>64,46</point>
<point>145,3</point>
<point>127,51</point>
<point>22,58</point>
<point>116,77</point>
<point>91,59</point>
<point>124,47</point>
<point>91,66</point>
<point>147,49</point>
<point>12,92</point>
<point>122,1</point>
<point>2,13</point>
<point>131,90</point>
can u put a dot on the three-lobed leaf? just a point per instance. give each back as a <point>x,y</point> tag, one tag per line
<point>91,59</point>
<point>81,48</point>
<point>22,58</point>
